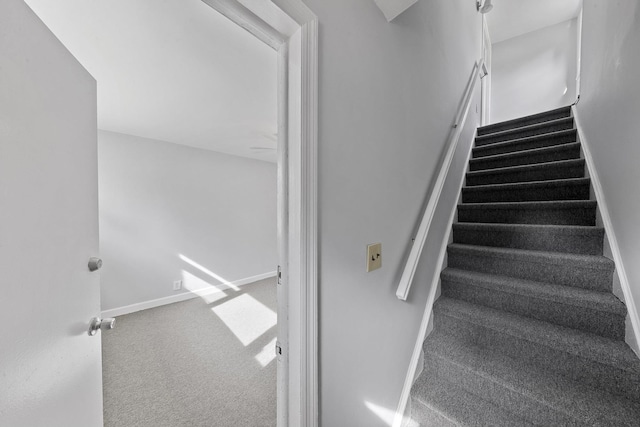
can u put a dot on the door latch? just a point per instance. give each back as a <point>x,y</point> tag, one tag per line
<point>95,264</point>
<point>96,324</point>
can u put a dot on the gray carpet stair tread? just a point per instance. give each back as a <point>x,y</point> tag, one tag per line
<point>535,391</point>
<point>576,297</point>
<point>560,189</point>
<point>525,157</point>
<point>577,239</point>
<point>537,205</point>
<point>498,172</point>
<point>528,142</point>
<point>583,271</point>
<point>424,416</point>
<point>527,185</point>
<point>595,312</point>
<point>434,395</point>
<point>571,230</point>
<point>592,262</point>
<point>584,345</point>
<point>544,116</point>
<point>525,131</point>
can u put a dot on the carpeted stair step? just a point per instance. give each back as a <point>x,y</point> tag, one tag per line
<point>426,416</point>
<point>527,157</point>
<point>553,238</point>
<point>593,360</point>
<point>568,212</point>
<point>580,271</point>
<point>540,396</point>
<point>563,189</point>
<point>599,313</point>
<point>533,119</point>
<point>538,141</point>
<point>564,169</point>
<point>439,403</point>
<point>525,131</point>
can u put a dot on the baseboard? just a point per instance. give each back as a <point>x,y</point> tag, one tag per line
<point>608,228</point>
<point>426,317</point>
<point>407,420</point>
<point>422,333</point>
<point>119,311</point>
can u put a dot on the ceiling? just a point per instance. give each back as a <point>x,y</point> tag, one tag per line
<point>173,70</point>
<point>511,18</point>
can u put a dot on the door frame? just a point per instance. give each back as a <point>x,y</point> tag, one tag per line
<point>291,29</point>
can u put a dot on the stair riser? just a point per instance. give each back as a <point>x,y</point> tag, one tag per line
<point>436,400</point>
<point>562,171</point>
<point>598,322</point>
<point>495,393</point>
<point>579,275</point>
<point>427,416</point>
<point>571,366</point>
<point>536,240</point>
<point>551,192</point>
<point>572,216</point>
<point>524,133</point>
<point>527,144</point>
<point>526,121</point>
<point>563,152</point>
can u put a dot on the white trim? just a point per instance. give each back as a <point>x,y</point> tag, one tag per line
<point>425,224</point>
<point>291,28</point>
<point>608,228</point>
<point>308,225</point>
<point>244,17</point>
<point>184,296</point>
<point>282,376</point>
<point>422,332</point>
<point>426,317</point>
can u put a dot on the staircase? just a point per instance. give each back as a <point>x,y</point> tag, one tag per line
<point>527,330</point>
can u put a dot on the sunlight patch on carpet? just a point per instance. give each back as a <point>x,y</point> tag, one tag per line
<point>246,317</point>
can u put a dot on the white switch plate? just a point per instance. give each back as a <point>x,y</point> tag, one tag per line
<point>374,256</point>
<point>177,285</point>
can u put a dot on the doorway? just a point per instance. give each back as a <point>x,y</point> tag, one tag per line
<point>292,29</point>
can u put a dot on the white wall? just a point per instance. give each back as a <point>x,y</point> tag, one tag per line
<point>388,94</point>
<point>534,72</point>
<point>609,108</point>
<point>160,200</point>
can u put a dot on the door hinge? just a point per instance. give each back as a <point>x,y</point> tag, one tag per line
<point>278,349</point>
<point>279,276</point>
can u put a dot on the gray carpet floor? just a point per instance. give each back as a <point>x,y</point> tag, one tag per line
<point>203,362</point>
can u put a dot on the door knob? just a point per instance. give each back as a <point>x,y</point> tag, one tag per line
<point>95,263</point>
<point>97,324</point>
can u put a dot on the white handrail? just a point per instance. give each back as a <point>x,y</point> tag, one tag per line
<point>421,237</point>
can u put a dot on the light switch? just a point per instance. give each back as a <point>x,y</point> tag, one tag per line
<point>374,256</point>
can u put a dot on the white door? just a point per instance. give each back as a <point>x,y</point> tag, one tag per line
<point>50,368</point>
